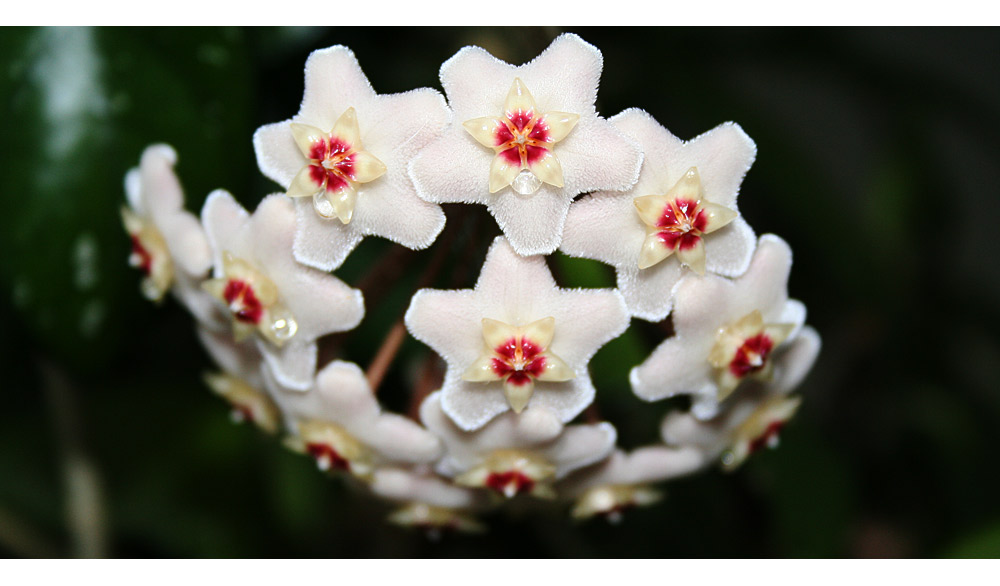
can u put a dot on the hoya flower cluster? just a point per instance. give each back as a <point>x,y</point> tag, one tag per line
<point>527,142</point>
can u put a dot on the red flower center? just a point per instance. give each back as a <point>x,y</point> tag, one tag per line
<point>765,438</point>
<point>328,457</point>
<point>500,481</point>
<point>518,360</point>
<point>752,356</point>
<point>332,163</point>
<point>243,302</point>
<point>141,258</point>
<point>682,224</point>
<point>523,138</point>
<point>245,413</point>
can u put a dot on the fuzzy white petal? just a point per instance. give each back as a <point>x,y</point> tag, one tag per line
<point>594,155</point>
<point>703,305</point>
<point>514,290</point>
<point>393,128</point>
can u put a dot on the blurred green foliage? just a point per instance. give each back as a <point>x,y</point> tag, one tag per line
<point>877,161</point>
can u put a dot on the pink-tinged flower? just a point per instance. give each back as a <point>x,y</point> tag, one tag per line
<point>525,141</point>
<point>754,417</point>
<point>516,339</point>
<point>680,217</point>
<point>515,453</point>
<point>623,481</point>
<point>431,503</point>
<point>726,332</point>
<point>341,425</point>
<point>343,159</point>
<point>280,304</point>
<point>169,246</point>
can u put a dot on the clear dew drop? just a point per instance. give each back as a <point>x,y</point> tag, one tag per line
<point>284,327</point>
<point>526,183</point>
<point>323,206</point>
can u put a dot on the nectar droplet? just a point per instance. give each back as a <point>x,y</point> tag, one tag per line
<point>526,183</point>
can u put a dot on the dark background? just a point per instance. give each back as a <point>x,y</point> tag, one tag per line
<point>878,163</point>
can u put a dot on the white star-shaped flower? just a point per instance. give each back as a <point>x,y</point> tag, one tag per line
<point>726,331</point>
<point>340,424</point>
<point>516,453</point>
<point>752,418</point>
<point>681,215</point>
<point>623,481</point>
<point>282,305</point>
<point>516,339</point>
<point>169,245</point>
<point>525,140</point>
<point>344,159</point>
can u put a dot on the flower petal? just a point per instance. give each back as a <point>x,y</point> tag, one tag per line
<point>222,218</point>
<point>728,251</point>
<point>346,128</point>
<point>481,371</point>
<point>653,251</point>
<point>410,486</point>
<point>497,333</point>
<point>519,98</point>
<point>483,129</point>
<point>559,124</point>
<point>518,392</point>
<point>304,184</point>
<point>693,256</point>
<point>293,364</point>
<point>306,137</point>
<point>160,189</point>
<point>541,331</point>
<point>716,216</point>
<point>502,173</point>
<point>333,79</point>
<point>278,155</point>
<point>579,446</point>
<point>452,169</point>
<point>795,361</point>
<point>547,168</point>
<point>533,225</point>
<point>597,156</point>
<point>556,370</point>
<point>322,243</point>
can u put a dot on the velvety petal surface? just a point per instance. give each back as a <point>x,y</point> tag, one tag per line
<point>606,226</point>
<point>593,155</point>
<point>393,128</point>
<point>514,290</point>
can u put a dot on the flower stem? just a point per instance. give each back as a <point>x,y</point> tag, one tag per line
<point>397,334</point>
<point>385,355</point>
